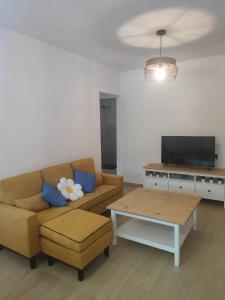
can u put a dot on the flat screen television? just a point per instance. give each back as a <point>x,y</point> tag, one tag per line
<point>188,150</point>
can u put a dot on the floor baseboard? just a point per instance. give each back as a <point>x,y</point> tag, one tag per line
<point>133,184</point>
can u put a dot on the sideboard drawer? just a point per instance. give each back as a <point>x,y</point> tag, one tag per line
<point>181,187</point>
<point>210,191</point>
<point>157,184</point>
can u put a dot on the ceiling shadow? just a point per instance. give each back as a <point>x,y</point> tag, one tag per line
<point>183,25</point>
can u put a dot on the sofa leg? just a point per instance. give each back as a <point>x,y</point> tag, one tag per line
<point>1,247</point>
<point>32,262</point>
<point>51,261</point>
<point>80,274</point>
<point>106,252</point>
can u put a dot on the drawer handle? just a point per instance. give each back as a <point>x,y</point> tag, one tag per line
<point>209,191</point>
<point>156,183</point>
<point>181,187</point>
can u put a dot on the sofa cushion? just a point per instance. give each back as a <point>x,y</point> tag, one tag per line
<point>52,195</point>
<point>21,186</point>
<point>52,213</point>
<point>53,174</point>
<point>76,230</point>
<point>86,180</point>
<point>85,165</point>
<point>101,193</point>
<point>99,178</point>
<point>34,203</point>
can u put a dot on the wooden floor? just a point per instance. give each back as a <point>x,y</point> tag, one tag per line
<point>132,271</point>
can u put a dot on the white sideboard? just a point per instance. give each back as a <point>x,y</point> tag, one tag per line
<point>209,184</point>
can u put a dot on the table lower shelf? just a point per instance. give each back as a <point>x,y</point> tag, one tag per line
<point>155,235</point>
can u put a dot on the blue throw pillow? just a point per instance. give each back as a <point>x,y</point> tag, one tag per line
<point>52,196</point>
<point>86,180</point>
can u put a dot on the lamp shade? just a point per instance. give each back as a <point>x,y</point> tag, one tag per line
<point>161,69</point>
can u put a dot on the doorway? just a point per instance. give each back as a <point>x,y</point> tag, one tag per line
<point>108,133</point>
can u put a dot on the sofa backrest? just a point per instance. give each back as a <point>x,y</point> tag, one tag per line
<point>85,165</point>
<point>21,186</point>
<point>53,174</point>
<point>30,184</point>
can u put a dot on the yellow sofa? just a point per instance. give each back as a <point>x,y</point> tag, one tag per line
<point>19,227</point>
<point>76,238</point>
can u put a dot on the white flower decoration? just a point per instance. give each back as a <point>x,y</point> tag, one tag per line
<point>69,189</point>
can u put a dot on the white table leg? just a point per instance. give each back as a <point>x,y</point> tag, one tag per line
<point>194,220</point>
<point>113,217</point>
<point>177,245</point>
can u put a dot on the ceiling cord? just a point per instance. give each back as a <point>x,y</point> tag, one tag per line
<point>160,51</point>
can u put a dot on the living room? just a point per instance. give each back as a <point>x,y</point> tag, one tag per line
<point>163,62</point>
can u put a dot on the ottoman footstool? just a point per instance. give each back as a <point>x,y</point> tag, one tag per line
<point>76,238</point>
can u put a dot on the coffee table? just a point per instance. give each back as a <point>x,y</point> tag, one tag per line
<point>158,219</point>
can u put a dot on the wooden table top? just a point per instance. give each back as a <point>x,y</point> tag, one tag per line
<point>165,206</point>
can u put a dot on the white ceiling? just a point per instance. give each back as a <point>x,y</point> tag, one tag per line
<point>121,33</point>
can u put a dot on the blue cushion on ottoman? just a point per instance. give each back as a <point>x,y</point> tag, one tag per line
<point>86,180</point>
<point>52,196</point>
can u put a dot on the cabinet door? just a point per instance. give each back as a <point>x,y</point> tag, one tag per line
<point>210,191</point>
<point>181,186</point>
<point>157,184</point>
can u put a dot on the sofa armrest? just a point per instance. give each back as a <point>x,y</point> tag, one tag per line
<point>19,230</point>
<point>113,180</point>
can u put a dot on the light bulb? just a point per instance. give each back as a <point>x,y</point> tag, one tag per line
<point>160,74</point>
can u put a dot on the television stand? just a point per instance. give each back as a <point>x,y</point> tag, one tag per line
<point>208,183</point>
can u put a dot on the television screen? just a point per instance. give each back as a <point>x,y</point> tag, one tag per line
<point>188,150</point>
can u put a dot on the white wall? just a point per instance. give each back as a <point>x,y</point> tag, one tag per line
<point>194,104</point>
<point>49,104</point>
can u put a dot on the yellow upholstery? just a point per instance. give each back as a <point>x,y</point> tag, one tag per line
<point>85,165</point>
<point>73,258</point>
<point>21,186</point>
<point>1,192</point>
<point>51,213</point>
<point>101,193</point>
<point>19,226</point>
<point>77,237</point>
<point>53,174</point>
<point>34,203</point>
<point>100,208</point>
<point>99,178</point>
<point>76,230</point>
<point>112,179</point>
<point>19,230</point>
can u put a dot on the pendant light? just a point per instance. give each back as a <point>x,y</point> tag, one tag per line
<point>161,68</point>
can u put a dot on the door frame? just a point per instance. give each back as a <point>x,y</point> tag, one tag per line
<point>118,139</point>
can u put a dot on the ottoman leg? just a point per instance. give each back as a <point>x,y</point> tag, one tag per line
<point>32,262</point>
<point>106,252</point>
<point>80,274</point>
<point>51,261</point>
